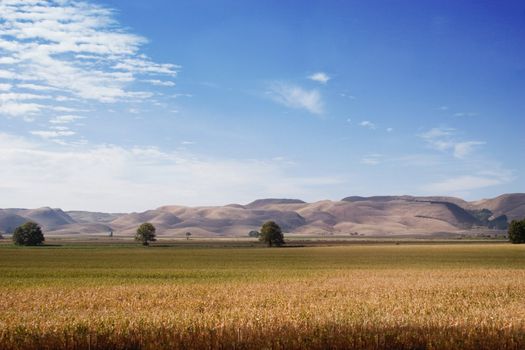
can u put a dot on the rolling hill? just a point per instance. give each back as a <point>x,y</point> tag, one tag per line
<point>354,215</point>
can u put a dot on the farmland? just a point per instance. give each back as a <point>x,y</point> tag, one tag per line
<point>376,296</point>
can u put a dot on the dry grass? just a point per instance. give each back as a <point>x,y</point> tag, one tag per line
<point>375,297</point>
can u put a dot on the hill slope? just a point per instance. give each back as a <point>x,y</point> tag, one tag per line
<point>378,215</point>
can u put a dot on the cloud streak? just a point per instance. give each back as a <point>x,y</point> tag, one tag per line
<point>444,139</point>
<point>464,183</point>
<point>114,178</point>
<point>296,97</point>
<point>70,50</point>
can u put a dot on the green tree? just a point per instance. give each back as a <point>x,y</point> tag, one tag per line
<point>188,235</point>
<point>146,233</point>
<point>517,231</point>
<point>29,233</point>
<point>271,234</point>
<point>253,233</point>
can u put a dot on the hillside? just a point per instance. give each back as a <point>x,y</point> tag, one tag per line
<point>377,215</point>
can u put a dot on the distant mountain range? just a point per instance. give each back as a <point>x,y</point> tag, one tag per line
<point>379,215</point>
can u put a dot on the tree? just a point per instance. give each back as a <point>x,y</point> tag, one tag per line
<point>146,233</point>
<point>253,233</point>
<point>271,234</point>
<point>517,231</point>
<point>188,234</point>
<point>29,233</point>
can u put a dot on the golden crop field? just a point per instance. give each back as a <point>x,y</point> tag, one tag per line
<point>462,296</point>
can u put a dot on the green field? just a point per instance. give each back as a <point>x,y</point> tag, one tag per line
<point>375,296</point>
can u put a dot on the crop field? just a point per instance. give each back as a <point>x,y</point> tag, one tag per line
<point>382,296</point>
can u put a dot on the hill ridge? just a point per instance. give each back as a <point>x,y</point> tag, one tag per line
<point>375,215</point>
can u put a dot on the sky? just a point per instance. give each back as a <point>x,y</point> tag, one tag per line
<point>125,106</point>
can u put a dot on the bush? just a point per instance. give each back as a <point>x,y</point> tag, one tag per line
<point>29,233</point>
<point>517,231</point>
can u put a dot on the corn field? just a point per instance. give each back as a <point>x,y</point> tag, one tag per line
<point>361,297</point>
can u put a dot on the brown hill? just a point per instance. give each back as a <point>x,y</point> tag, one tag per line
<point>222,221</point>
<point>378,215</point>
<point>46,217</point>
<point>10,221</point>
<point>512,205</point>
<point>86,217</point>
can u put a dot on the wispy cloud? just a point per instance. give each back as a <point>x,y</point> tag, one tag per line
<point>347,95</point>
<point>114,178</point>
<point>367,124</point>
<point>463,149</point>
<point>71,50</point>
<point>465,114</point>
<point>372,159</point>
<point>294,96</point>
<point>53,134</point>
<point>444,139</point>
<point>320,77</point>
<point>65,119</point>
<point>463,183</point>
<point>159,82</point>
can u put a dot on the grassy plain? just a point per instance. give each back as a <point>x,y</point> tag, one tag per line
<point>379,296</point>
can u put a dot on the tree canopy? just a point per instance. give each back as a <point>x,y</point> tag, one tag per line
<point>146,233</point>
<point>29,233</point>
<point>517,231</point>
<point>271,234</point>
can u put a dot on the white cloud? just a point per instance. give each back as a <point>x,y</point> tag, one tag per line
<point>64,109</point>
<point>465,114</point>
<point>5,87</point>
<point>7,74</point>
<point>464,183</point>
<point>463,149</point>
<point>437,133</point>
<point>181,95</point>
<point>113,178</point>
<point>320,77</point>
<point>159,82</point>
<point>61,128</point>
<point>72,50</point>
<point>296,97</point>
<point>349,96</point>
<point>65,119</point>
<point>52,134</point>
<point>443,139</point>
<point>372,159</point>
<point>367,124</point>
<point>15,109</point>
<point>16,104</point>
<point>35,87</point>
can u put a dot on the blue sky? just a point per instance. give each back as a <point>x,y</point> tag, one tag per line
<point>130,105</point>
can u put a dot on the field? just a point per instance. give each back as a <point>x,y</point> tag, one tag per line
<point>376,296</point>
